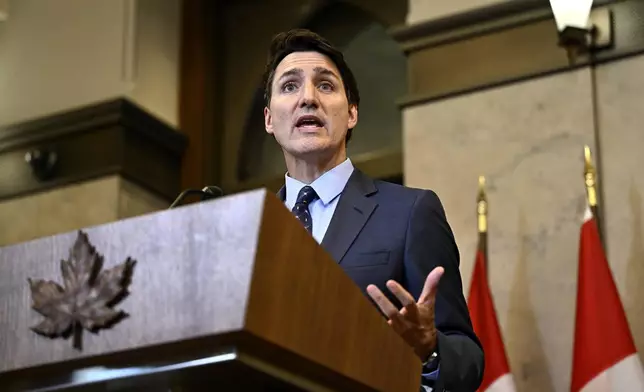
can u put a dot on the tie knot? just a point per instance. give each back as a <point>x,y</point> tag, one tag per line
<point>306,195</point>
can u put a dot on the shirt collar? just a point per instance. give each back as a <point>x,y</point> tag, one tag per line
<point>328,186</point>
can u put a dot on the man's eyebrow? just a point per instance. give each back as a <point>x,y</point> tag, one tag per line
<point>291,72</point>
<point>299,72</point>
<point>325,71</point>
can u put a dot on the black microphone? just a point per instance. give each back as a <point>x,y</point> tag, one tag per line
<point>207,193</point>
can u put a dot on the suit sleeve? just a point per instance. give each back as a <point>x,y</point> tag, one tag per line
<point>430,243</point>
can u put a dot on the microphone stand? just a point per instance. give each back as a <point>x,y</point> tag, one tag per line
<point>207,193</point>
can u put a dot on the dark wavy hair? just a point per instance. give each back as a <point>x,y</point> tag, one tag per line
<point>303,40</point>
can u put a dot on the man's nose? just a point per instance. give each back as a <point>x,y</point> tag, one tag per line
<point>309,95</point>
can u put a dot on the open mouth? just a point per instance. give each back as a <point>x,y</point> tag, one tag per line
<point>309,122</point>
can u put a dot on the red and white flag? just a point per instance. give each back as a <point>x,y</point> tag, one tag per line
<point>604,357</point>
<point>496,376</point>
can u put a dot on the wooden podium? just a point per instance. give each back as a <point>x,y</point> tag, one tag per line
<point>227,295</point>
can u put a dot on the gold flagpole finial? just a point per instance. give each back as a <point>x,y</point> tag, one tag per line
<point>481,206</point>
<point>590,178</point>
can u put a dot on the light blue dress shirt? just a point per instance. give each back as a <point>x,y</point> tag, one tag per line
<point>328,186</point>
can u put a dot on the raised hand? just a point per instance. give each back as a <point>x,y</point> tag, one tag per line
<point>415,320</point>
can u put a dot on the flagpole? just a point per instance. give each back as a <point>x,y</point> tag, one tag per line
<point>481,212</point>
<point>590,178</point>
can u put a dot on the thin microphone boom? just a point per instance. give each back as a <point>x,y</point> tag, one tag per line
<point>207,193</point>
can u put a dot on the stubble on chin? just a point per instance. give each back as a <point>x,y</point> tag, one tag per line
<point>310,147</point>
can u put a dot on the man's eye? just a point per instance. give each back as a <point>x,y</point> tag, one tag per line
<point>326,87</point>
<point>289,87</point>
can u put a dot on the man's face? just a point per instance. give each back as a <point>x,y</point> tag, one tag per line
<point>309,113</point>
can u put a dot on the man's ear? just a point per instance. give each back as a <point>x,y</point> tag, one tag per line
<point>353,116</point>
<point>268,120</point>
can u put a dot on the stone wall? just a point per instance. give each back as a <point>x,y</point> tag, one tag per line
<point>527,137</point>
<point>58,55</point>
<point>73,207</point>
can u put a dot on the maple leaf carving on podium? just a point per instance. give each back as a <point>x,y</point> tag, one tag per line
<point>87,296</point>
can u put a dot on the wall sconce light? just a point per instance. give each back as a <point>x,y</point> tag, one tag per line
<point>42,162</point>
<point>582,29</point>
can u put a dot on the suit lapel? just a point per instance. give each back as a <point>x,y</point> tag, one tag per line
<point>282,193</point>
<point>351,214</point>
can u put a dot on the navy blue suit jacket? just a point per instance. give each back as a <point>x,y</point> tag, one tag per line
<point>381,231</point>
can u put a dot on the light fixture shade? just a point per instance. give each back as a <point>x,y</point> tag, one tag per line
<point>571,13</point>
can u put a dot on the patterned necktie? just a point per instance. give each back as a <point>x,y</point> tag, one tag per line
<point>301,207</point>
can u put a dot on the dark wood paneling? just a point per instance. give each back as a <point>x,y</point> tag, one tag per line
<point>199,106</point>
<point>112,137</point>
<point>502,44</point>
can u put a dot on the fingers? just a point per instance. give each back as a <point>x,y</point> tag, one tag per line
<point>406,299</point>
<point>429,293</point>
<point>383,303</point>
<point>396,318</point>
<point>403,296</point>
<point>431,284</point>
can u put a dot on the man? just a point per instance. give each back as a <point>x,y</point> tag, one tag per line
<point>393,241</point>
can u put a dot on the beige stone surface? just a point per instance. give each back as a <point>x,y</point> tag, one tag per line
<point>620,88</point>
<point>59,210</point>
<point>527,139</point>
<point>156,66</point>
<point>94,50</point>
<point>134,200</point>
<point>73,207</point>
<point>426,10</point>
